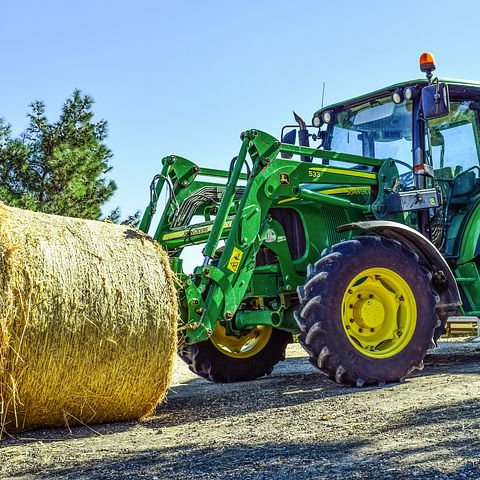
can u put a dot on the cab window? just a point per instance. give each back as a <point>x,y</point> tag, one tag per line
<point>379,129</point>
<point>453,139</point>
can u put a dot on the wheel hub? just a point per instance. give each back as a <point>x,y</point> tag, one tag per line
<point>379,312</point>
<point>369,313</point>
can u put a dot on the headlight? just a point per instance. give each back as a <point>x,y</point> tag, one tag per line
<point>316,121</point>
<point>398,96</point>
<point>410,93</point>
<point>328,116</point>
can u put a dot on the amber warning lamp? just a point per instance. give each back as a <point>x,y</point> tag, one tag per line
<point>427,64</point>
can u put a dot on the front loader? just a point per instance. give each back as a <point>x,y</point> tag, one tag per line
<point>363,239</point>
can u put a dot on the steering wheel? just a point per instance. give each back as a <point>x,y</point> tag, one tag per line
<point>406,178</point>
<point>405,164</point>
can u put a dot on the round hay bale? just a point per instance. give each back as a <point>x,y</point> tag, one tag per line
<point>88,315</point>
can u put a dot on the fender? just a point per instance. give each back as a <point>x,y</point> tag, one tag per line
<point>430,257</point>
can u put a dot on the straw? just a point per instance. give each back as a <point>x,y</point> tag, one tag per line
<point>88,315</point>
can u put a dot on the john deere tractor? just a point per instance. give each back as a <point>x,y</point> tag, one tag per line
<point>362,238</point>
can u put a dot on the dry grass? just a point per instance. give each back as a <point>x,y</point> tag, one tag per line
<point>88,317</point>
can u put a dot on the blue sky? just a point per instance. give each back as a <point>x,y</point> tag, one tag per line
<point>187,77</point>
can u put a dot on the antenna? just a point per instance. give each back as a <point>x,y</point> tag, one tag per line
<point>323,93</point>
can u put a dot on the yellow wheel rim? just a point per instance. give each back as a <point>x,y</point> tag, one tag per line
<point>379,313</point>
<point>245,346</point>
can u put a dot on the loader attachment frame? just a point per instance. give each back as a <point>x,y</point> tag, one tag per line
<point>217,288</point>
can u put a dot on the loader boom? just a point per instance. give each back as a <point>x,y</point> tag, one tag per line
<point>218,287</point>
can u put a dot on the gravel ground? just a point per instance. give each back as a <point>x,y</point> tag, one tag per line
<point>293,424</point>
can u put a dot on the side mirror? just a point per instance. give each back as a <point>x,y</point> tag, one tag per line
<point>435,101</point>
<point>290,138</point>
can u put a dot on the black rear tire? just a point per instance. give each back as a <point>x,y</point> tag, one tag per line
<point>324,335</point>
<point>208,361</point>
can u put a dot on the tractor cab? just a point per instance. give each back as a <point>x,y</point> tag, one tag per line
<point>429,127</point>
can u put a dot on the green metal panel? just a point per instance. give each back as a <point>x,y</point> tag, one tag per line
<point>468,275</point>
<point>470,237</point>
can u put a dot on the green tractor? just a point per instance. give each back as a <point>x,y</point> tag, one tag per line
<point>362,239</point>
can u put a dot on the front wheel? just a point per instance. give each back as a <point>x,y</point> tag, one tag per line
<point>225,358</point>
<point>367,312</point>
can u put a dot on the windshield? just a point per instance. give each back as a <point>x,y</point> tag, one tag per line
<point>378,129</point>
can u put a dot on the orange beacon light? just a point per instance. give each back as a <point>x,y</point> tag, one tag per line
<point>427,62</point>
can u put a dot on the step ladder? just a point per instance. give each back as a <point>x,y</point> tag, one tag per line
<point>463,326</point>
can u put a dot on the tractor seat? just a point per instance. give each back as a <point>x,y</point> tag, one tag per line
<point>463,188</point>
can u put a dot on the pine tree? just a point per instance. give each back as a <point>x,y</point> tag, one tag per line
<point>57,167</point>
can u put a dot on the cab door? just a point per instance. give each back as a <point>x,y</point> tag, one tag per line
<point>453,144</point>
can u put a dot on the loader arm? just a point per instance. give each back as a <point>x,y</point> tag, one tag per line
<point>216,290</point>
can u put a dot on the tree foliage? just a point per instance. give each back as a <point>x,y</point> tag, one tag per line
<point>115,216</point>
<point>57,167</point>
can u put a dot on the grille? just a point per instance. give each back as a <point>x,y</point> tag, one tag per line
<point>333,217</point>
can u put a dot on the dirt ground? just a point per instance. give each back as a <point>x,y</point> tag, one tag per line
<point>292,424</point>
